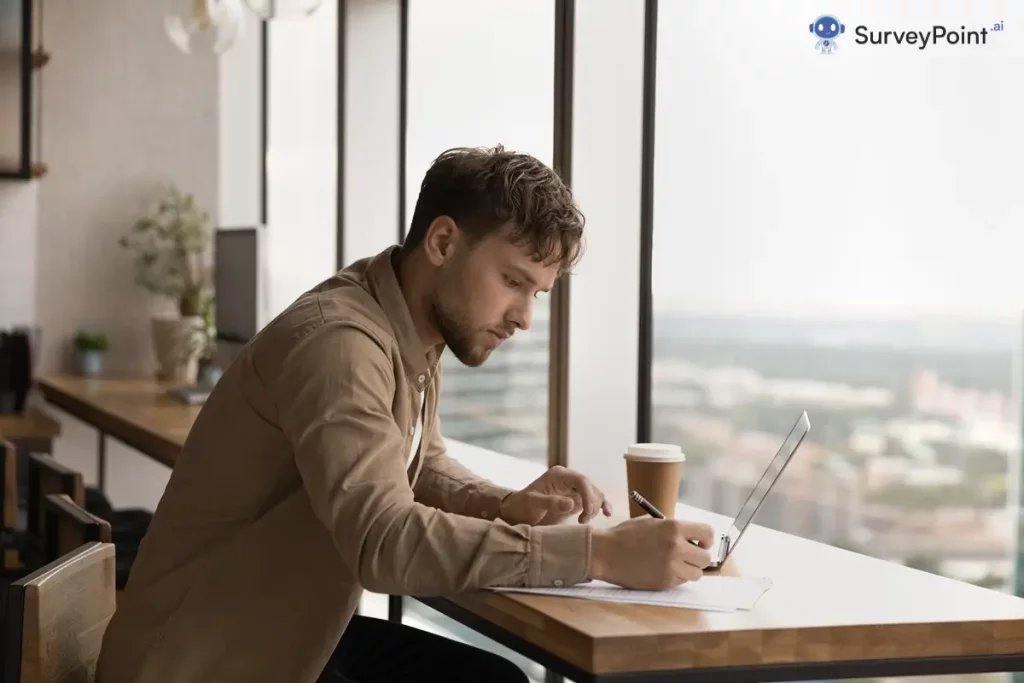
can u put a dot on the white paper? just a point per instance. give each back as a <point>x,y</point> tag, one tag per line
<point>710,593</point>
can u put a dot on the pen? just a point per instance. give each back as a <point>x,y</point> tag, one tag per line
<point>651,510</point>
<point>648,508</point>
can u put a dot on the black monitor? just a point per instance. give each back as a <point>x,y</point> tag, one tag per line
<point>237,283</point>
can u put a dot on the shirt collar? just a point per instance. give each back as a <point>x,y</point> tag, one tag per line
<point>419,363</point>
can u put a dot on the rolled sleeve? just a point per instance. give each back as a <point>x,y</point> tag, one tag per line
<point>447,484</point>
<point>334,395</point>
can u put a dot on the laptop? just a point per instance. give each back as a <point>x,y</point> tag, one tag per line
<point>727,542</point>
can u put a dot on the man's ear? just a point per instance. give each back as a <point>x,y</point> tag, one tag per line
<point>441,240</point>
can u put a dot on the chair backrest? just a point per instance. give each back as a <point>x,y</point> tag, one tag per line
<point>68,526</point>
<point>9,506</point>
<point>9,484</point>
<point>56,618</point>
<point>45,476</point>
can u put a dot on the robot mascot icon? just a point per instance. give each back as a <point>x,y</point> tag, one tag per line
<point>827,27</point>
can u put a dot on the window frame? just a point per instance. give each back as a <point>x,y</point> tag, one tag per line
<point>645,379</point>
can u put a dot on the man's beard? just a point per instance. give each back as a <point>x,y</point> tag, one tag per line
<point>457,335</point>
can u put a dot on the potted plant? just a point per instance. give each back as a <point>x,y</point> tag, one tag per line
<point>171,246</point>
<point>90,348</point>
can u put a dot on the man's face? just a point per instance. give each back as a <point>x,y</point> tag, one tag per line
<point>485,294</point>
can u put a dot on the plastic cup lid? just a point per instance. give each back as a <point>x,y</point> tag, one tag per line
<point>655,452</point>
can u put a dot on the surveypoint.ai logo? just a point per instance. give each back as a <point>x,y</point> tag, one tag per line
<point>921,39</point>
<point>827,27</point>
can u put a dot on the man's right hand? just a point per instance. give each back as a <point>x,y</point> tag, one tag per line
<point>650,554</point>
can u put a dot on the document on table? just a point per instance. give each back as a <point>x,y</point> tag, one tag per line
<point>710,593</point>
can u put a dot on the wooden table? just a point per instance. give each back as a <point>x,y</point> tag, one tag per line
<point>137,412</point>
<point>31,431</point>
<point>830,613</point>
<point>32,427</point>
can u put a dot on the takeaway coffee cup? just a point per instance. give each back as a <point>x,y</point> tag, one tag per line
<point>653,471</point>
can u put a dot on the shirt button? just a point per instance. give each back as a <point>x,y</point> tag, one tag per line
<point>559,583</point>
<point>421,378</point>
<point>484,514</point>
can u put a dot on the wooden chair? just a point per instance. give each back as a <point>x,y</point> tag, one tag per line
<point>46,476</point>
<point>56,618</point>
<point>9,483</point>
<point>68,526</point>
<point>49,477</point>
<point>9,505</point>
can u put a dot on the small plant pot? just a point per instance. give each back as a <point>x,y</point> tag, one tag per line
<point>90,362</point>
<point>209,374</point>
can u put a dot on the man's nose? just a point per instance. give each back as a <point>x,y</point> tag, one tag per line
<point>522,316</point>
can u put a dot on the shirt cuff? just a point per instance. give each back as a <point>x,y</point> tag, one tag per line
<point>559,555</point>
<point>485,501</point>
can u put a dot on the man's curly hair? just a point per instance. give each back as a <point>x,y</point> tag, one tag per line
<point>488,190</point>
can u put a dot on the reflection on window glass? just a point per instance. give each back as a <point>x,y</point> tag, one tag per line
<point>840,233</point>
<point>468,87</point>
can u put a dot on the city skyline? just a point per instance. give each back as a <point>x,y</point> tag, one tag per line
<point>681,305</point>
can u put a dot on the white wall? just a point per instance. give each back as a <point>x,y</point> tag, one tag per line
<point>115,129</point>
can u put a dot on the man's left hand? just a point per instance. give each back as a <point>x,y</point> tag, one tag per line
<point>553,497</point>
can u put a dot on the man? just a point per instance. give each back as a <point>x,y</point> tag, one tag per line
<point>305,479</point>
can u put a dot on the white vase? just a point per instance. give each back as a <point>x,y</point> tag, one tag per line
<point>178,344</point>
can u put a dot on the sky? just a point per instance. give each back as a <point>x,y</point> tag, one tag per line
<point>876,181</point>
<point>879,180</point>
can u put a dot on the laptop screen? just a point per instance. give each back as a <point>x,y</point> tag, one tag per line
<point>768,479</point>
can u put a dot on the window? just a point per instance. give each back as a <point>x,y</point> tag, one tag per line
<point>302,154</point>
<point>841,233</point>
<point>480,74</point>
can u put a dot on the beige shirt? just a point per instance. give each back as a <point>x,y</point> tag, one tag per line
<point>294,492</point>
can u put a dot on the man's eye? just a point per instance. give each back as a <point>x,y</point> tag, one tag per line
<point>514,284</point>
